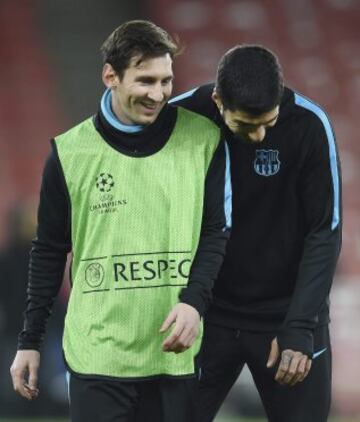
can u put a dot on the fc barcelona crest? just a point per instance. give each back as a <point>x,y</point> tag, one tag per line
<point>267,162</point>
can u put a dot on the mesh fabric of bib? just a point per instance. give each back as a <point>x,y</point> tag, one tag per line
<point>135,230</point>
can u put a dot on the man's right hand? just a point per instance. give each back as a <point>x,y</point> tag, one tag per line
<point>24,373</point>
<point>293,368</point>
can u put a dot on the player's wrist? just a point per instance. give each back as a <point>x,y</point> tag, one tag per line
<point>297,339</point>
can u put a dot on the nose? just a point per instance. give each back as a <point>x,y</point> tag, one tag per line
<point>156,93</point>
<point>258,134</point>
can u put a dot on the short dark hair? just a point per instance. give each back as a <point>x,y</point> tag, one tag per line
<point>137,38</point>
<point>249,78</point>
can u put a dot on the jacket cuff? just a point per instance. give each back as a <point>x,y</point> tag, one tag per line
<point>29,341</point>
<point>297,339</point>
<point>193,300</point>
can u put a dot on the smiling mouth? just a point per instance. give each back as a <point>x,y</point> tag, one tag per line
<point>150,107</point>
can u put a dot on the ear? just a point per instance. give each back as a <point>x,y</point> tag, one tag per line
<point>215,97</point>
<point>109,76</point>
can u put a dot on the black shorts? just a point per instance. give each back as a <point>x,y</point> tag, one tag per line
<point>224,353</point>
<point>162,400</point>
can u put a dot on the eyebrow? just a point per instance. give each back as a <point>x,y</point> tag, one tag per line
<point>256,124</point>
<point>142,78</point>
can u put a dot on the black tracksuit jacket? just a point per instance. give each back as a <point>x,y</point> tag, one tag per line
<point>286,223</point>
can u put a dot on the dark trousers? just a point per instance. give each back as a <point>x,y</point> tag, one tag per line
<point>224,353</point>
<point>163,400</point>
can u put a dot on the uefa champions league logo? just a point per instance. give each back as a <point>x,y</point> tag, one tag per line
<point>105,182</point>
<point>104,200</point>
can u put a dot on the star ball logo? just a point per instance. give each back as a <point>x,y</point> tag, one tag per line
<point>105,182</point>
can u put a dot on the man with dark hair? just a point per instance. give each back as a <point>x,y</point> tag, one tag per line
<point>139,195</point>
<point>271,308</point>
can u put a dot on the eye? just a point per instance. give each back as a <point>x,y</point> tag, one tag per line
<point>146,81</point>
<point>166,81</point>
<point>245,127</point>
<point>249,128</point>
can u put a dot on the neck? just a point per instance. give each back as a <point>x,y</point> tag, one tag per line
<point>112,118</point>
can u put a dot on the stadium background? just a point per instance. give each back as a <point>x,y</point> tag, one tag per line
<point>50,79</point>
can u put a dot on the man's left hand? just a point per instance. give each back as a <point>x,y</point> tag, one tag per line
<point>294,366</point>
<point>187,323</point>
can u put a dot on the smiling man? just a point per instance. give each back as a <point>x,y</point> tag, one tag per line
<point>140,195</point>
<point>141,92</point>
<point>271,308</point>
